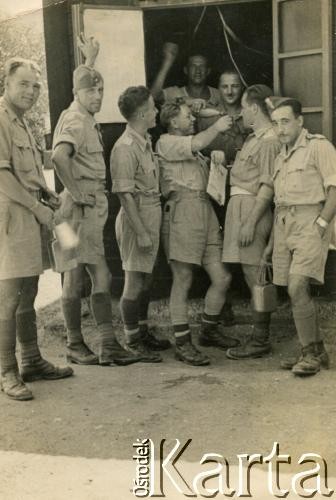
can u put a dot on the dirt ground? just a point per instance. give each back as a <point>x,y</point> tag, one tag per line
<point>74,440</point>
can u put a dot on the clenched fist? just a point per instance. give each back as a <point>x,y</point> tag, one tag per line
<point>170,51</point>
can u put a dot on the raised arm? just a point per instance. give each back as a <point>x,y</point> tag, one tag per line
<point>170,51</point>
<point>89,48</point>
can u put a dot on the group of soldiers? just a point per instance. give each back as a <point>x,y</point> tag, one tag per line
<point>282,203</point>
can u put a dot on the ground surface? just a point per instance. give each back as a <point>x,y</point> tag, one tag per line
<point>75,439</point>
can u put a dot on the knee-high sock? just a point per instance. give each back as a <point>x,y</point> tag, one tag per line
<point>26,330</point>
<point>102,313</point>
<point>8,360</point>
<point>130,315</point>
<point>72,317</point>
<point>143,303</point>
<point>306,324</point>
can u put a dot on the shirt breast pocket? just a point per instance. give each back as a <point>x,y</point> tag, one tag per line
<point>295,178</point>
<point>94,147</point>
<point>23,155</point>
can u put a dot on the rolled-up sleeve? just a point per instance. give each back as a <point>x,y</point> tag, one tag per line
<point>325,158</point>
<point>175,147</point>
<point>71,131</point>
<point>5,142</point>
<point>267,155</point>
<point>123,165</point>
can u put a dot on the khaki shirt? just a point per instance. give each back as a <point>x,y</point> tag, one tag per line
<point>18,149</point>
<point>78,127</point>
<point>303,175</point>
<point>180,168</point>
<point>172,93</point>
<point>230,141</point>
<point>134,168</point>
<point>254,164</point>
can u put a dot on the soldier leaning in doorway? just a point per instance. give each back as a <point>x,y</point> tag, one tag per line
<point>196,92</point>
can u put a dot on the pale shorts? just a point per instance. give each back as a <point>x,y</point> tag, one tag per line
<point>298,246</point>
<point>133,258</point>
<point>239,208</point>
<point>190,230</point>
<point>88,223</point>
<point>23,242</point>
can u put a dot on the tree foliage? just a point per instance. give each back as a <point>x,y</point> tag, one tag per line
<point>24,38</point>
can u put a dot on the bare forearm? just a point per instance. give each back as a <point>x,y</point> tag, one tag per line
<point>263,201</point>
<point>158,84</point>
<point>204,138</point>
<point>329,209</point>
<point>11,187</point>
<point>63,164</point>
<point>128,204</point>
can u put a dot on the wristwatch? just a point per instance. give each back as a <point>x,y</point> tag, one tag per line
<point>321,222</point>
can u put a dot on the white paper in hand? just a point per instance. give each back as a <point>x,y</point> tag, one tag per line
<point>217,182</point>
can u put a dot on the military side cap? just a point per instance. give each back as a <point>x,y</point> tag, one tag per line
<point>85,77</point>
<point>274,102</point>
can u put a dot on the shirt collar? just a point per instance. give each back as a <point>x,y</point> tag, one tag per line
<point>261,131</point>
<point>77,106</point>
<point>143,142</point>
<point>11,113</point>
<point>300,142</point>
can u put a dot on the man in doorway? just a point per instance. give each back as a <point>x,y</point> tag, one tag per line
<point>249,217</point>
<point>79,162</point>
<point>197,70</point>
<point>190,229</point>
<point>26,211</point>
<point>304,184</point>
<point>135,179</point>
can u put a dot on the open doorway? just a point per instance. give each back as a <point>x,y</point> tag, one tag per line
<point>199,29</point>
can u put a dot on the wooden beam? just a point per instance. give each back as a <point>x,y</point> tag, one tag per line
<point>276,65</point>
<point>327,102</point>
<point>300,53</point>
<point>176,4</point>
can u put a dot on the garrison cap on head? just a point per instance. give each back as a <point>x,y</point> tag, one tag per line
<point>85,77</point>
<point>274,102</point>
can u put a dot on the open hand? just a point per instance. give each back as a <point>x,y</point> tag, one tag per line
<point>89,48</point>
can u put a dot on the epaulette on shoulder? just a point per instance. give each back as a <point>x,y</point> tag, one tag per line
<point>270,134</point>
<point>126,140</point>
<point>315,136</point>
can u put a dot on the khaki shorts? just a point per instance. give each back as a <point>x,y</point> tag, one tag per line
<point>133,258</point>
<point>21,239</point>
<point>239,208</point>
<point>89,223</point>
<point>298,246</point>
<point>190,230</point>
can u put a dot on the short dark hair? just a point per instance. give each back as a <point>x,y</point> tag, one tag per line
<point>131,99</point>
<point>14,63</point>
<point>197,54</point>
<point>256,94</point>
<point>294,104</point>
<point>170,110</point>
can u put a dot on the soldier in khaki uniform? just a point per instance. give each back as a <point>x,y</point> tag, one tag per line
<point>24,218</point>
<point>190,229</point>
<point>135,179</point>
<point>304,184</point>
<point>249,217</point>
<point>78,156</point>
<point>230,88</point>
